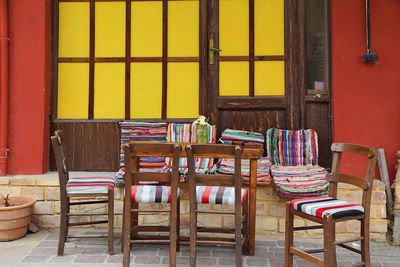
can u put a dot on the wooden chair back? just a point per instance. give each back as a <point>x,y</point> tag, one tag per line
<point>214,151</point>
<point>365,182</point>
<point>61,160</point>
<point>135,150</point>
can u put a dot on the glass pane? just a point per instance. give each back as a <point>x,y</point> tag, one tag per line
<point>234,78</point>
<point>146,29</point>
<point>109,91</point>
<point>73,90</point>
<point>234,27</point>
<point>74,27</point>
<point>269,27</point>
<point>269,78</point>
<point>110,29</point>
<point>317,45</point>
<point>183,90</point>
<point>183,28</point>
<point>146,90</point>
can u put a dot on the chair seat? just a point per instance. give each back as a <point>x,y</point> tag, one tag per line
<point>152,194</point>
<point>322,206</point>
<point>218,195</point>
<point>89,185</point>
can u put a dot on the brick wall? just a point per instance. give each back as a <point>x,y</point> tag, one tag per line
<point>270,207</point>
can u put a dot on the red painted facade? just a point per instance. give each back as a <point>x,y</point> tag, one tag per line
<point>366,98</point>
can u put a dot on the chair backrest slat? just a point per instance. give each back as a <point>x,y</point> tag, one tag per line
<point>365,183</point>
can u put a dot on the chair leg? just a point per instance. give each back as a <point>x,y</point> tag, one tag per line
<point>365,249</point>
<point>173,233</point>
<point>246,245</point>
<point>238,236</point>
<point>135,221</point>
<point>122,232</point>
<point>329,247</point>
<point>193,233</point>
<point>178,225</point>
<point>63,227</point>
<point>288,236</point>
<point>111,222</point>
<point>126,234</point>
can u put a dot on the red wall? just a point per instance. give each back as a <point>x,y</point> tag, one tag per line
<point>29,86</point>
<point>366,97</point>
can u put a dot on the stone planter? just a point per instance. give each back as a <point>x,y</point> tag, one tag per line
<point>14,220</point>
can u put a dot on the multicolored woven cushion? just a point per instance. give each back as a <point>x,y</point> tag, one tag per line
<point>89,185</point>
<point>245,138</point>
<point>323,206</point>
<point>218,195</point>
<point>152,194</point>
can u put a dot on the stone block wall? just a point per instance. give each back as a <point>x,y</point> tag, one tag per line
<point>270,217</point>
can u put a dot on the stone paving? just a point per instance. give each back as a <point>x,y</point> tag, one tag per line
<point>40,250</point>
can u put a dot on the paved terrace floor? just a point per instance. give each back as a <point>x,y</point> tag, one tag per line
<point>40,250</point>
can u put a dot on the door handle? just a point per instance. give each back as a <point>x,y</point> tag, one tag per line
<point>211,51</point>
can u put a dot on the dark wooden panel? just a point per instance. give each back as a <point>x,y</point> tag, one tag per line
<point>90,146</point>
<point>251,120</point>
<point>318,118</point>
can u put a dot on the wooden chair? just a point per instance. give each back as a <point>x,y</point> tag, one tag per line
<point>217,189</point>
<point>99,189</point>
<point>328,210</point>
<point>165,192</point>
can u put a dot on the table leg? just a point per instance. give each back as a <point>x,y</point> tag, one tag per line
<point>252,206</point>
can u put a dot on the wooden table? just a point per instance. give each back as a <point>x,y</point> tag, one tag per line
<point>253,154</point>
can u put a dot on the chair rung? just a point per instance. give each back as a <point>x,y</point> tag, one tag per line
<point>349,240</point>
<point>311,251</point>
<point>87,223</point>
<point>215,230</point>
<point>306,256</point>
<point>84,236</point>
<point>149,210</point>
<point>216,212</point>
<point>210,242</point>
<point>350,248</point>
<point>150,228</point>
<point>302,228</point>
<point>165,241</point>
<point>86,214</point>
<point>88,202</point>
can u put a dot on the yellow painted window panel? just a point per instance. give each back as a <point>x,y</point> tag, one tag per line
<point>74,28</point>
<point>183,90</point>
<point>269,27</point>
<point>146,29</point>
<point>109,91</point>
<point>110,29</point>
<point>146,90</point>
<point>183,28</point>
<point>234,79</point>
<point>269,79</point>
<point>73,90</point>
<point>234,27</point>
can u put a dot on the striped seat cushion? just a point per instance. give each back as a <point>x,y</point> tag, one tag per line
<point>152,194</point>
<point>218,195</point>
<point>89,185</point>
<point>322,206</point>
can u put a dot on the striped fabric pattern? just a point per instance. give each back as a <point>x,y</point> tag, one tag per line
<point>89,185</point>
<point>152,194</point>
<point>218,195</point>
<point>323,206</point>
<point>239,137</point>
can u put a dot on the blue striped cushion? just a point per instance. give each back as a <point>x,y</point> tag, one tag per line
<point>218,195</point>
<point>323,206</point>
<point>89,185</point>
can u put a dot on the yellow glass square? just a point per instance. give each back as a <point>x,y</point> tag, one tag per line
<point>146,90</point>
<point>234,78</point>
<point>73,91</point>
<point>183,90</point>
<point>74,28</point>
<point>269,79</point>
<point>109,91</point>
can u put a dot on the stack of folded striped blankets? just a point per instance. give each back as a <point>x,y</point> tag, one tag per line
<point>295,156</point>
<point>243,138</point>
<point>142,131</point>
<point>188,133</point>
<point>227,166</point>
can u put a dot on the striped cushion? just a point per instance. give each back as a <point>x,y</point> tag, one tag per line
<point>151,194</point>
<point>323,206</point>
<point>218,195</point>
<point>89,185</point>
